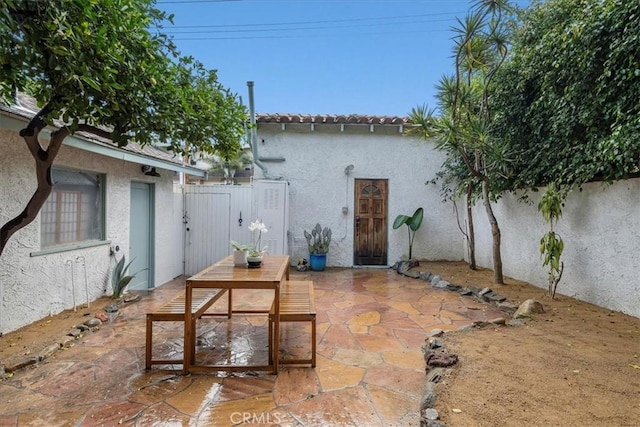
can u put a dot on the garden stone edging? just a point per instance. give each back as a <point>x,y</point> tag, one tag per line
<point>110,313</point>
<point>437,359</point>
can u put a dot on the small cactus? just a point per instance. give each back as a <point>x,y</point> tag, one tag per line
<point>318,240</point>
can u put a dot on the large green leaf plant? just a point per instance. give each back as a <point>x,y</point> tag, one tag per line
<point>413,223</point>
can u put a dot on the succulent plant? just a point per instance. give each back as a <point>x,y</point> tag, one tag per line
<point>318,240</point>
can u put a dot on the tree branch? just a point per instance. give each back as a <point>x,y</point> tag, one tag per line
<point>83,127</point>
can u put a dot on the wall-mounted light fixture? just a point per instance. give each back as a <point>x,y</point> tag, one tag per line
<point>348,169</point>
<point>149,171</point>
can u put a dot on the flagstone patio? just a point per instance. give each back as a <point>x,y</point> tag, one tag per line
<point>370,367</point>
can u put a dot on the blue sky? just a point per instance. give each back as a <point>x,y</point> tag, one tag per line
<point>374,57</point>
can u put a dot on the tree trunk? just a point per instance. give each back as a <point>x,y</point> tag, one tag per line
<point>495,233</point>
<point>44,160</point>
<point>471,240</point>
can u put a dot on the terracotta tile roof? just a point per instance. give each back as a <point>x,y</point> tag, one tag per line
<point>331,119</point>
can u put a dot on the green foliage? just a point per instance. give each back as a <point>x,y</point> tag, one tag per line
<point>103,65</point>
<point>464,130</point>
<point>567,100</point>
<point>239,247</point>
<point>413,223</point>
<point>318,240</point>
<point>120,279</point>
<point>551,244</point>
<point>236,162</point>
<point>105,68</point>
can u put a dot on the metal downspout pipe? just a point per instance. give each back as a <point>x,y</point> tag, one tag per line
<point>253,132</point>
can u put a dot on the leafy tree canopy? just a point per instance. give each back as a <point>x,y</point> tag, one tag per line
<point>104,67</point>
<point>104,64</point>
<point>567,100</point>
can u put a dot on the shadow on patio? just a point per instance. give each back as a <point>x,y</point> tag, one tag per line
<point>370,368</point>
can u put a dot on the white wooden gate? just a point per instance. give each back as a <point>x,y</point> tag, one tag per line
<point>211,212</point>
<point>216,214</point>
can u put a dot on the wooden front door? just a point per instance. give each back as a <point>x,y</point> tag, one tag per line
<point>370,240</point>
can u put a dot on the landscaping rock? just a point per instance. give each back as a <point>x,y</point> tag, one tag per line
<point>412,273</point>
<point>132,298</point>
<point>425,276</point>
<point>528,308</point>
<point>441,360</point>
<point>515,322</point>
<point>430,414</point>
<point>434,343</point>
<point>405,265</point>
<point>484,291</point>
<point>94,322</point>
<point>49,351</point>
<point>493,297</point>
<point>111,308</point>
<point>428,396</point>
<point>67,341</point>
<point>434,280</point>
<point>75,333</point>
<point>465,291</point>
<point>507,306</point>
<point>442,284</point>
<point>453,288</point>
<point>22,363</point>
<point>435,333</point>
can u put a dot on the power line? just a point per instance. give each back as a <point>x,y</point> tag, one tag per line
<point>331,21</point>
<point>307,36</point>
<point>326,27</point>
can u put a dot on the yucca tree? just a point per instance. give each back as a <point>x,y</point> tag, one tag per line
<point>463,128</point>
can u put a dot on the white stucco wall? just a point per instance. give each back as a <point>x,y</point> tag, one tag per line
<point>600,227</point>
<point>33,287</point>
<point>315,165</point>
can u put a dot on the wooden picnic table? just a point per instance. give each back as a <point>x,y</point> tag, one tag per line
<point>224,275</point>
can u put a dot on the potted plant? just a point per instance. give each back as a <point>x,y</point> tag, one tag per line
<point>318,243</point>
<point>256,251</point>
<point>240,253</point>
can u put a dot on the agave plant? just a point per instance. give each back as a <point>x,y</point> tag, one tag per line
<point>120,279</point>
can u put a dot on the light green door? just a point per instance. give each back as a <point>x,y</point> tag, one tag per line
<point>141,236</point>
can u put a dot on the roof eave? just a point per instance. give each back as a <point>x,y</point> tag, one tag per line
<point>15,122</point>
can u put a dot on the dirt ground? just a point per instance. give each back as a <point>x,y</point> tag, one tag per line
<point>574,365</point>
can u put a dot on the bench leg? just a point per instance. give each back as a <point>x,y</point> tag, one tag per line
<point>148,343</point>
<point>270,339</point>
<point>313,342</point>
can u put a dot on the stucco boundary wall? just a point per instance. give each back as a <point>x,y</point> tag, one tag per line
<point>314,164</point>
<point>600,226</point>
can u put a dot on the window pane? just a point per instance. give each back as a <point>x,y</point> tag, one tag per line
<point>73,212</point>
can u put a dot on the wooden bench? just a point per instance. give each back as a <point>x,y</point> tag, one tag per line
<point>173,311</point>
<point>296,305</point>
